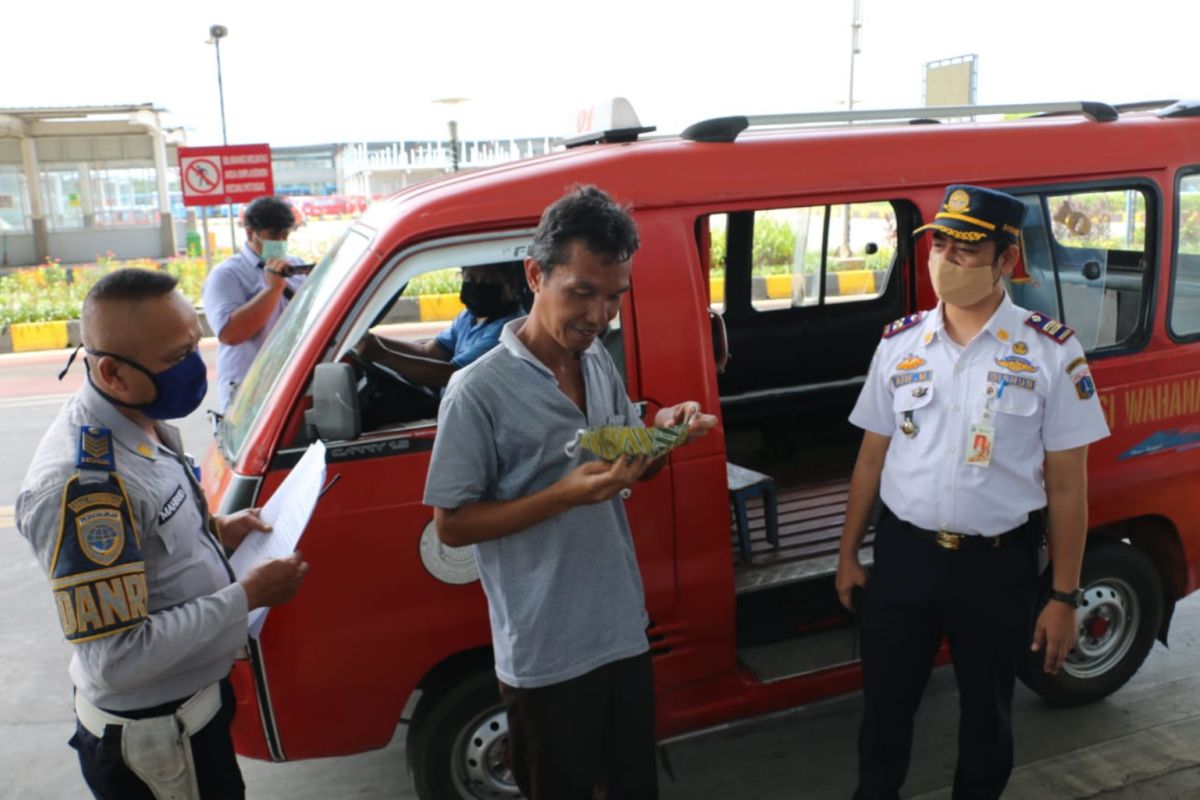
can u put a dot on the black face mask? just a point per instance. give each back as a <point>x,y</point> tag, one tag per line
<point>485,299</point>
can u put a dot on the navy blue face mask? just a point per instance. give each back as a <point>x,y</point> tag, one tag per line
<point>178,390</point>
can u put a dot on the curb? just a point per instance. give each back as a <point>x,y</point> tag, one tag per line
<point>24,337</point>
<point>28,336</point>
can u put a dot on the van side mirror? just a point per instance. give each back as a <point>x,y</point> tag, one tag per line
<point>335,414</point>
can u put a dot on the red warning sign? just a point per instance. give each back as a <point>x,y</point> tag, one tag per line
<point>214,176</point>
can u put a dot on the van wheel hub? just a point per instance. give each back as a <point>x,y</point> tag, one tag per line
<point>483,765</point>
<point>1108,621</point>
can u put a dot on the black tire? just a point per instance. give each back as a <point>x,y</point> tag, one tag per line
<point>1121,613</point>
<point>458,741</point>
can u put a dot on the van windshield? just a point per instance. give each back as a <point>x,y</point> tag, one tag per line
<point>310,302</point>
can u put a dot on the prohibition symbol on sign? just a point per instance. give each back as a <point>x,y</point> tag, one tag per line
<point>202,176</point>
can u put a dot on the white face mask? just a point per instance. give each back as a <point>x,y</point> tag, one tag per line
<point>962,286</point>
<point>272,249</point>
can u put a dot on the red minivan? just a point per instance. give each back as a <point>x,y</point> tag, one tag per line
<point>772,256</point>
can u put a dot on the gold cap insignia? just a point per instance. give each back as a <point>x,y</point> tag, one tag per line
<point>958,201</point>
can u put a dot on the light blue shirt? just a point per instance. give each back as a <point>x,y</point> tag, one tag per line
<point>230,286</point>
<point>564,596</point>
<point>468,339</point>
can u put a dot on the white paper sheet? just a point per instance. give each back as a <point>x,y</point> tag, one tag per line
<point>287,512</point>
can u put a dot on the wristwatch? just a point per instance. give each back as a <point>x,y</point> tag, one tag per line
<point>1073,599</point>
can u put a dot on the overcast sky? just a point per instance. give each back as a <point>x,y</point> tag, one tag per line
<point>306,72</point>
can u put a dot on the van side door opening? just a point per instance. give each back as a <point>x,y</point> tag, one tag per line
<point>805,293</point>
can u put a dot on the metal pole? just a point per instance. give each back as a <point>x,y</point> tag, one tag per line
<point>208,259</point>
<point>453,146</point>
<point>855,48</point>
<point>225,141</point>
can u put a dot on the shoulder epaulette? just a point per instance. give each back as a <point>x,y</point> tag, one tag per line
<point>902,324</point>
<point>95,448</point>
<point>1048,326</point>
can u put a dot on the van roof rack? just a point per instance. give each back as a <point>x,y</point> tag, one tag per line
<point>1181,108</point>
<point>726,129</point>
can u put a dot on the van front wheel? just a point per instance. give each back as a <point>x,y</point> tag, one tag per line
<point>1116,623</point>
<point>458,743</point>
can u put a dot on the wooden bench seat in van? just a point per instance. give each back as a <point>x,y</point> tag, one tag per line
<point>810,524</point>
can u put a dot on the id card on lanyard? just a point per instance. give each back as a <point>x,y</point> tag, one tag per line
<point>982,436</point>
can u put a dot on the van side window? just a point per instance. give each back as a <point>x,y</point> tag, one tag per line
<point>1088,262</point>
<point>852,246</point>
<point>799,346</point>
<point>1185,292</point>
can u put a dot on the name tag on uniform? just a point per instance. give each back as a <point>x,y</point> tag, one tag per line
<point>979,444</point>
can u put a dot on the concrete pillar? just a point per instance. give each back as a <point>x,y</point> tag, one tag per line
<point>86,200</point>
<point>37,209</point>
<point>159,145</point>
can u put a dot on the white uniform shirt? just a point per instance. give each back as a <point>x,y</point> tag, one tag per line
<point>230,286</point>
<point>1042,399</point>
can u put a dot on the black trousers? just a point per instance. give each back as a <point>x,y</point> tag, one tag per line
<point>982,603</point>
<point>212,750</point>
<point>589,738</point>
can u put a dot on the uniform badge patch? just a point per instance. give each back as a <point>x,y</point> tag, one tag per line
<point>920,391</point>
<point>1020,348</point>
<point>1016,364</point>
<point>97,573</point>
<point>95,448</point>
<point>96,499</point>
<point>1085,387</point>
<point>911,362</point>
<point>1079,362</point>
<point>1002,335</point>
<point>173,504</point>
<point>1049,327</point>
<point>101,534</point>
<point>1019,381</point>
<point>902,324</point>
<point>912,377</point>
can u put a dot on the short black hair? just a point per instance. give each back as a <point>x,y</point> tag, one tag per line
<point>269,213</point>
<point>589,215</point>
<point>131,284</point>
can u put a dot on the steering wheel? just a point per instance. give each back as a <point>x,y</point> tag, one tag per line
<point>388,393</point>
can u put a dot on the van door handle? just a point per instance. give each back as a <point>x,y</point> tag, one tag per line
<point>720,340</point>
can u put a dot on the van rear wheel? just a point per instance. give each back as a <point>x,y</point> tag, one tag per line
<point>1117,621</point>
<point>458,743</point>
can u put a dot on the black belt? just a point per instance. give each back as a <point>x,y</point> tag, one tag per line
<point>963,542</point>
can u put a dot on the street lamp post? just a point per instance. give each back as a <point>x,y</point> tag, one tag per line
<point>219,32</point>
<point>451,102</point>
<point>855,48</point>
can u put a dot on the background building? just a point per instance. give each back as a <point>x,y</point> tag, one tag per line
<point>79,182</point>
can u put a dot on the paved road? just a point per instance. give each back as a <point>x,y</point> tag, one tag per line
<point>1141,744</point>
